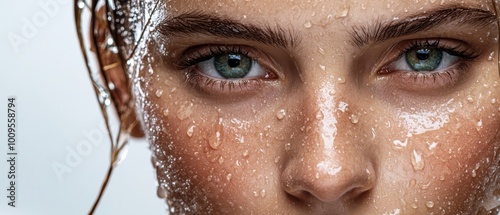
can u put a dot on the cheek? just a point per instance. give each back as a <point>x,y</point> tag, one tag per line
<point>205,157</point>
<point>446,157</point>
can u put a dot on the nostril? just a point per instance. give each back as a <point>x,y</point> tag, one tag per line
<point>316,185</point>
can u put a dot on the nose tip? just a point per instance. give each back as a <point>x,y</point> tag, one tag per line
<point>327,182</point>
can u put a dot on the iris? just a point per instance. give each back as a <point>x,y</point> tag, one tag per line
<point>232,66</point>
<point>424,58</point>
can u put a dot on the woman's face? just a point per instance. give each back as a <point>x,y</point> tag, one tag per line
<point>324,107</point>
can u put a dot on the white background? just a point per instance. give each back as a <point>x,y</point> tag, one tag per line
<point>56,111</point>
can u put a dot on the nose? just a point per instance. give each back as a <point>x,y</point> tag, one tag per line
<point>331,160</point>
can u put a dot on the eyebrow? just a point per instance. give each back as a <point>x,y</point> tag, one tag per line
<point>381,31</point>
<point>200,23</point>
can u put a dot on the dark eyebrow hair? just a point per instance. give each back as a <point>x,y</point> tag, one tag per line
<point>200,23</point>
<point>380,31</point>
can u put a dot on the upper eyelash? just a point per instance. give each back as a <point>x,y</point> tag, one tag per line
<point>459,50</point>
<point>198,54</point>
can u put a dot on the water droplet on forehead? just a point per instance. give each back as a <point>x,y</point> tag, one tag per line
<point>343,13</point>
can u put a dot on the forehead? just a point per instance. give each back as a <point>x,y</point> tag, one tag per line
<point>290,11</point>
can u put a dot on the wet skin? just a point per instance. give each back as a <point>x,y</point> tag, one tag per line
<point>333,118</point>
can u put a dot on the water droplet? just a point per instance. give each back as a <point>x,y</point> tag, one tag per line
<point>81,4</point>
<point>288,146</point>
<point>414,206</point>
<point>432,145</point>
<point>341,80</point>
<point>491,56</point>
<point>354,118</point>
<point>263,193</point>
<point>255,193</point>
<point>229,176</point>
<point>473,172</point>
<point>159,93</point>
<point>321,51</point>
<point>190,130</point>
<point>417,161</point>
<point>400,143</point>
<point>245,153</point>
<point>470,99</point>
<point>221,160</point>
<point>185,111</point>
<point>165,112</point>
<point>319,115</point>
<point>277,159</point>
<point>216,139</point>
<point>343,13</point>
<point>493,101</point>
<point>281,114</point>
<point>429,204</point>
<point>322,67</point>
<point>161,192</point>
<point>307,24</point>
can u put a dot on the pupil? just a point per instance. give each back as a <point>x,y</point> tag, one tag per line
<point>423,54</point>
<point>233,60</point>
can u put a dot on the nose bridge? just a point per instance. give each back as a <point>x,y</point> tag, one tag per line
<point>326,161</point>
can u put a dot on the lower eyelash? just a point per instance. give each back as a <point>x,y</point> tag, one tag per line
<point>211,85</point>
<point>448,77</point>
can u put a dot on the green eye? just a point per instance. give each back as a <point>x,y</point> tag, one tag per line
<point>424,58</point>
<point>231,66</point>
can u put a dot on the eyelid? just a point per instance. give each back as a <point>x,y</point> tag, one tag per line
<point>192,56</point>
<point>420,81</point>
<point>455,47</point>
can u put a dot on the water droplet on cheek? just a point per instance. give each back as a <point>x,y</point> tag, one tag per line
<point>263,193</point>
<point>166,112</point>
<point>159,93</point>
<point>417,161</point>
<point>281,114</point>
<point>245,153</point>
<point>354,118</point>
<point>429,204</point>
<point>307,24</point>
<point>190,130</point>
<point>491,56</point>
<point>229,176</point>
<point>470,99</point>
<point>216,139</point>
<point>221,160</point>
<point>319,115</point>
